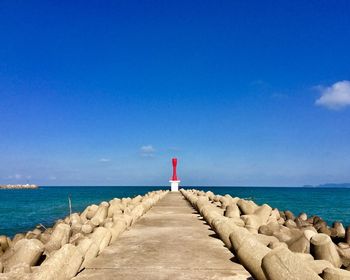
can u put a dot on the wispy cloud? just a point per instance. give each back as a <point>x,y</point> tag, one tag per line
<point>335,97</point>
<point>104,160</point>
<point>147,151</point>
<point>15,176</point>
<point>19,176</point>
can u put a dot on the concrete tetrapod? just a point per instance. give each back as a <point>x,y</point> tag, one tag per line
<point>18,237</point>
<point>281,263</point>
<point>116,229</point>
<point>263,212</point>
<point>89,250</point>
<point>270,228</point>
<point>323,248</point>
<point>304,256</point>
<point>335,274</point>
<point>114,207</point>
<point>26,252</point>
<point>302,244</point>
<point>347,235</point>
<point>136,213</point>
<point>76,223</point>
<point>101,214</point>
<point>59,237</point>
<point>101,236</point>
<point>246,206</point>
<point>249,251</point>
<point>319,265</point>
<point>344,253</point>
<point>250,254</point>
<point>3,243</point>
<point>88,227</point>
<point>339,229</point>
<point>224,226</point>
<point>62,265</point>
<point>265,239</point>
<point>91,211</point>
<point>257,219</point>
<point>232,211</point>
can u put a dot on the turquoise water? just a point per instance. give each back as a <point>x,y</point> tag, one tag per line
<point>22,210</point>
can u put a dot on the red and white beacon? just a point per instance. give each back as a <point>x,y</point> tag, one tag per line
<point>174,181</point>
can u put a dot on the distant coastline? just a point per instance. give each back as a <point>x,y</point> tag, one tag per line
<point>15,187</point>
<point>329,185</point>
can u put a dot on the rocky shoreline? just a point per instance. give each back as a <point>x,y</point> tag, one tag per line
<point>18,187</point>
<point>60,252</point>
<point>273,244</point>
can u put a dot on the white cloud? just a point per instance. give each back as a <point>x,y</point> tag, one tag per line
<point>335,97</point>
<point>147,151</point>
<point>52,178</point>
<point>16,176</point>
<point>104,160</point>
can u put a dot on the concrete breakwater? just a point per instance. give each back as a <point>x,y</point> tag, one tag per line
<point>170,242</point>
<point>62,251</point>
<point>273,244</point>
<point>18,187</point>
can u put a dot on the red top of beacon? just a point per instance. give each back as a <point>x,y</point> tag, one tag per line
<point>174,178</point>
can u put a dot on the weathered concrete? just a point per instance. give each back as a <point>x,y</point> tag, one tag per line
<point>171,241</point>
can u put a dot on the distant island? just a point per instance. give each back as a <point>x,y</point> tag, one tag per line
<point>15,187</point>
<point>329,185</point>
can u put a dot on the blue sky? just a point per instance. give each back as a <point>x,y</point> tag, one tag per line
<point>242,92</point>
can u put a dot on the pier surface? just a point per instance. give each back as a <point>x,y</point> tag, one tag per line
<point>170,241</point>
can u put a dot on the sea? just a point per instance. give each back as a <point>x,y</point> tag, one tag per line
<point>22,210</point>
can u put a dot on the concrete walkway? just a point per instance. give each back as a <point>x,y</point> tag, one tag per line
<point>170,241</point>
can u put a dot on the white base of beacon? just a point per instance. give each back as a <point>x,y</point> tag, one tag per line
<point>174,185</point>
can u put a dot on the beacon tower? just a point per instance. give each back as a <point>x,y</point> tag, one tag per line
<point>174,181</point>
